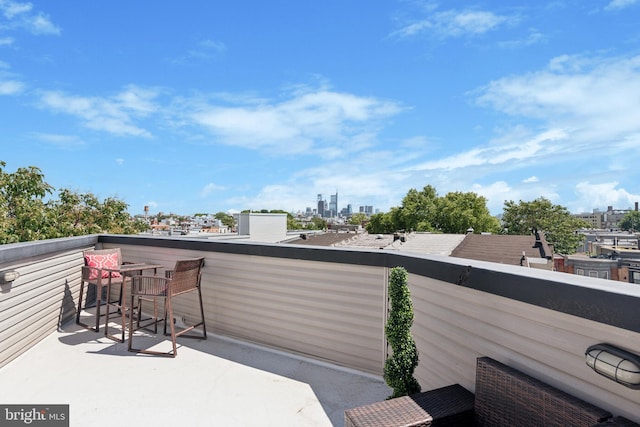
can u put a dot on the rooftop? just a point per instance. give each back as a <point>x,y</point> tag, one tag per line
<point>504,249</point>
<point>297,332</point>
<point>214,382</point>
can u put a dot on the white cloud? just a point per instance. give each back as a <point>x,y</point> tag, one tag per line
<point>114,115</point>
<point>66,142</point>
<point>620,4</point>
<point>496,193</point>
<point>210,188</point>
<point>11,87</point>
<point>119,161</point>
<point>602,194</point>
<point>595,98</point>
<point>205,50</point>
<point>416,142</point>
<point>531,179</point>
<point>6,41</point>
<point>313,121</point>
<point>213,45</point>
<point>20,15</point>
<point>536,146</point>
<point>12,9</point>
<point>534,37</point>
<point>137,99</point>
<point>40,24</point>
<point>371,178</point>
<point>455,23</point>
<point>275,197</point>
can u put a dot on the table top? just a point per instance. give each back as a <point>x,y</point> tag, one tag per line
<point>124,268</point>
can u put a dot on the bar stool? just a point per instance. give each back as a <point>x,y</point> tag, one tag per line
<point>184,278</point>
<point>93,273</point>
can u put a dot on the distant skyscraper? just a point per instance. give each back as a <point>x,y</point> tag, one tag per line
<point>321,206</point>
<point>367,210</point>
<point>333,205</point>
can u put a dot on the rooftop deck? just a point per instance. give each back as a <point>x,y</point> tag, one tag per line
<point>322,313</point>
<point>217,382</point>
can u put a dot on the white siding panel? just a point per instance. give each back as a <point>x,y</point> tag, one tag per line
<point>334,312</point>
<point>454,325</point>
<point>329,311</point>
<point>37,301</point>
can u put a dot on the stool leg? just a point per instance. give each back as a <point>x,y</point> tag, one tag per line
<point>167,301</point>
<point>80,302</point>
<point>131,330</point>
<point>98,304</point>
<point>108,307</point>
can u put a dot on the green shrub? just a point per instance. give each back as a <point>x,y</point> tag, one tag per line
<point>400,365</point>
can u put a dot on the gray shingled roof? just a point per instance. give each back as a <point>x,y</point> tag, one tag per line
<point>504,249</point>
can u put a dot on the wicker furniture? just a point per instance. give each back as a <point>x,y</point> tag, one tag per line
<point>508,397</point>
<point>617,422</point>
<point>504,397</point>
<point>184,278</point>
<point>447,406</point>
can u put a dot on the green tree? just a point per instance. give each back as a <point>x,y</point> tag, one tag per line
<point>358,218</point>
<point>225,219</point>
<point>559,226</point>
<point>76,214</point>
<point>457,212</point>
<point>318,223</point>
<point>631,221</point>
<point>23,211</point>
<point>400,366</point>
<point>418,211</point>
<point>426,211</point>
<point>382,223</point>
<point>26,216</point>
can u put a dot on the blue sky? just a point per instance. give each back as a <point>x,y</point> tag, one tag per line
<point>204,106</point>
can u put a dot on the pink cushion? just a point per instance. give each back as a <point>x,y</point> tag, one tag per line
<point>102,261</point>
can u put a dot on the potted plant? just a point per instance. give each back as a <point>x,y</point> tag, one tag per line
<point>400,365</point>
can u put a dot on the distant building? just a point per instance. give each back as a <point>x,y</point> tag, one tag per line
<point>613,256</point>
<point>322,206</point>
<point>609,220</point>
<point>367,210</point>
<point>333,205</point>
<point>594,219</point>
<point>346,212</point>
<point>262,227</point>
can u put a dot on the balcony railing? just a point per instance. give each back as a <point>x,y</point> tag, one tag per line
<point>331,304</point>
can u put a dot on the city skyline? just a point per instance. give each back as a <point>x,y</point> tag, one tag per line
<point>211,107</point>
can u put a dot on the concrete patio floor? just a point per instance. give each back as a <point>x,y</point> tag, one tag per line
<point>217,382</point>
